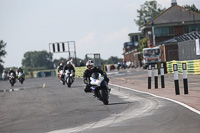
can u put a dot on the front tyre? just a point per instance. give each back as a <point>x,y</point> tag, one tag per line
<point>69,82</point>
<point>104,96</point>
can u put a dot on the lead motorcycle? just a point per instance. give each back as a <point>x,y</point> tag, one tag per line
<point>100,87</point>
<point>12,79</point>
<point>69,78</point>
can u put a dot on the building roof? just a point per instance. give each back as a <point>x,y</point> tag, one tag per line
<point>169,41</point>
<point>189,36</point>
<point>175,15</point>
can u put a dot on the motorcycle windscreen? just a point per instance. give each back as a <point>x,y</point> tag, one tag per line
<point>95,75</point>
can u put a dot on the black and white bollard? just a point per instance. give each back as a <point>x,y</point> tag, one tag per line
<point>176,79</point>
<point>149,77</point>
<point>162,76</point>
<point>185,81</point>
<point>156,76</point>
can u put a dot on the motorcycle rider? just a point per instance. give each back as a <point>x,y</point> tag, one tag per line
<point>69,67</point>
<point>88,72</point>
<point>61,67</point>
<point>12,71</point>
<point>4,75</point>
<point>20,70</point>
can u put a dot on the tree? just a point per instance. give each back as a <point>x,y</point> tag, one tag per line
<point>38,59</point>
<point>142,44</point>
<point>2,53</point>
<point>192,7</point>
<point>148,9</point>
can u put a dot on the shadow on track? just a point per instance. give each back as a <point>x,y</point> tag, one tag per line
<point>120,103</point>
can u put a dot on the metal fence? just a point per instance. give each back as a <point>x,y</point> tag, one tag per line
<point>187,50</point>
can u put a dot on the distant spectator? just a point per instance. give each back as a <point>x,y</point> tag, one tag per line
<point>81,63</point>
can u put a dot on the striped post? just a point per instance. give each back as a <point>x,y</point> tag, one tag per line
<point>149,76</point>
<point>162,76</point>
<point>176,83</point>
<point>185,81</point>
<point>156,76</point>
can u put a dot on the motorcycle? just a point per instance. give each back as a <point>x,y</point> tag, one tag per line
<point>21,77</point>
<point>12,79</point>
<point>100,87</point>
<point>4,76</point>
<point>69,78</point>
<point>61,75</point>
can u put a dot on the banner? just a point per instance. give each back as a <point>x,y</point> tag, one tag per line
<point>197,47</point>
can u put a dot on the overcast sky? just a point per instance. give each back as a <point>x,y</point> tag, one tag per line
<point>97,26</point>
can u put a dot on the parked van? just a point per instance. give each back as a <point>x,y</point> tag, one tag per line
<point>151,56</point>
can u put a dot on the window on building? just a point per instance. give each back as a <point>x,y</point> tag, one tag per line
<point>186,29</point>
<point>171,30</point>
<point>133,39</point>
<point>164,31</point>
<point>195,27</point>
<point>136,38</point>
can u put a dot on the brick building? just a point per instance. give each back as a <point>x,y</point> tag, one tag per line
<point>169,24</point>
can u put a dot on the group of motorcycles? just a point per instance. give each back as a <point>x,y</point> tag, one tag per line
<point>66,77</point>
<point>97,84</point>
<point>12,78</point>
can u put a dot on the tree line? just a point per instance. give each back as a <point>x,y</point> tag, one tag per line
<point>41,60</point>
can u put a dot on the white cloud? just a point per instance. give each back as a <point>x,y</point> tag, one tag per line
<point>88,39</point>
<point>86,44</point>
<point>118,36</point>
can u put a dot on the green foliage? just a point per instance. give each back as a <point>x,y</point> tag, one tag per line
<point>2,54</point>
<point>38,59</point>
<point>192,7</point>
<point>142,44</point>
<point>148,9</point>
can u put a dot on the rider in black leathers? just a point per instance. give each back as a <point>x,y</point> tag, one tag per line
<point>20,70</point>
<point>88,72</point>
<point>60,67</point>
<point>12,71</point>
<point>70,68</point>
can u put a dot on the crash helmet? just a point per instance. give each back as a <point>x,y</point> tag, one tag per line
<point>69,63</point>
<point>90,64</point>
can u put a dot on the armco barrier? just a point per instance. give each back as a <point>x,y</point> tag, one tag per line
<point>193,66</point>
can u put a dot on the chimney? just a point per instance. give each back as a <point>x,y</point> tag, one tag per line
<point>174,2</point>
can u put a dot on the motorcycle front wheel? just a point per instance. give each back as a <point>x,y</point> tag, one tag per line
<point>69,82</point>
<point>104,96</point>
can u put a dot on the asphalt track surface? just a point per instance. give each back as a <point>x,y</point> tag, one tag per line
<point>44,105</point>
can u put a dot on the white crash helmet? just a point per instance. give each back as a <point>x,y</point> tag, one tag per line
<point>90,63</point>
<point>69,63</point>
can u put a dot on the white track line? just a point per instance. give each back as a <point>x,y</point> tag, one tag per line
<point>183,104</point>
